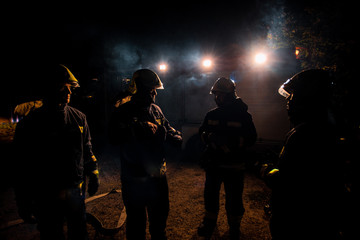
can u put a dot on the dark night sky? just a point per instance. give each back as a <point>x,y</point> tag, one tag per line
<point>85,38</point>
<point>99,37</point>
<point>77,35</point>
<point>147,25</point>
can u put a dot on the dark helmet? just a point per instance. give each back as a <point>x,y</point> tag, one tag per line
<point>308,85</point>
<point>144,79</point>
<point>308,94</point>
<point>223,85</point>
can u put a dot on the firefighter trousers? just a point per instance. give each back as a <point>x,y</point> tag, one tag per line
<point>233,185</point>
<point>146,198</point>
<point>54,207</point>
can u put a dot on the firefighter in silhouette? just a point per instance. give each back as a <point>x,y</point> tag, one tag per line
<point>227,132</point>
<point>54,154</point>
<point>306,181</point>
<point>140,129</point>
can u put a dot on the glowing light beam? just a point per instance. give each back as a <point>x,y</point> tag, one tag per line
<point>260,58</point>
<point>162,67</point>
<point>207,63</point>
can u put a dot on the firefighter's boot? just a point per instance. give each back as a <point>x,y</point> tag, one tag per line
<point>234,227</point>
<point>208,225</point>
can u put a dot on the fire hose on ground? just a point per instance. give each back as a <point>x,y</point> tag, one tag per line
<point>90,218</point>
<point>96,223</point>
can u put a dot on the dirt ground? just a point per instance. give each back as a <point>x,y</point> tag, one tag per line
<point>186,184</point>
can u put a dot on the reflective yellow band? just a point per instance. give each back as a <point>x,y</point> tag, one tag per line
<point>96,172</point>
<point>275,170</point>
<point>159,121</point>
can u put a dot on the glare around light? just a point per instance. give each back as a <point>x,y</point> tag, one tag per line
<point>162,67</point>
<point>207,63</point>
<point>260,58</point>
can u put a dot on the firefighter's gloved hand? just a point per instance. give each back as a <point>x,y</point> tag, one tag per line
<point>174,137</point>
<point>152,127</point>
<point>177,138</point>
<point>205,137</point>
<point>265,168</point>
<point>216,139</point>
<point>94,182</point>
<point>26,215</point>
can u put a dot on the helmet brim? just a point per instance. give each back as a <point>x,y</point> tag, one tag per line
<point>161,86</point>
<point>283,92</point>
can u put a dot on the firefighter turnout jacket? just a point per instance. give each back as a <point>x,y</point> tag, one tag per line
<point>227,131</point>
<point>54,148</point>
<point>141,129</point>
